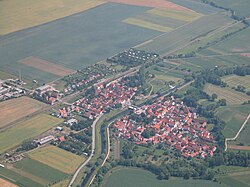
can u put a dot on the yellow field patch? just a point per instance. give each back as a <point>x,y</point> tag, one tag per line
<point>20,14</point>
<point>232,97</point>
<point>57,158</point>
<point>234,81</point>
<point>46,66</point>
<point>61,184</point>
<point>175,14</point>
<point>26,130</point>
<point>5,183</point>
<point>15,109</point>
<point>146,24</point>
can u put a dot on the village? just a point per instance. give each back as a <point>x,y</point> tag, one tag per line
<point>168,121</point>
<point>103,98</point>
<point>11,88</point>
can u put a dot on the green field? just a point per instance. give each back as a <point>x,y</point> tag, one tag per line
<point>233,121</point>
<point>243,138</point>
<point>71,42</point>
<point>238,43</point>
<point>38,172</point>
<point>241,7</point>
<point>17,178</point>
<point>26,130</point>
<point>185,34</point>
<point>57,158</point>
<point>124,177</point>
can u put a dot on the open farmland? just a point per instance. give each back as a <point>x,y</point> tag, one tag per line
<point>150,3</point>
<point>25,130</point>
<point>6,183</point>
<point>241,7</point>
<point>232,96</point>
<point>146,24</point>
<point>240,178</point>
<point>71,42</point>
<point>18,108</point>
<point>238,43</point>
<point>238,115</point>
<point>17,179</point>
<point>44,65</point>
<point>184,35</point>
<point>123,177</point>
<point>197,6</point>
<point>234,81</point>
<point>38,172</point>
<point>174,14</point>
<point>14,17</point>
<point>209,62</point>
<point>57,158</point>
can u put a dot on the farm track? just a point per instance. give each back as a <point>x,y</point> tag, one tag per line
<point>238,133</point>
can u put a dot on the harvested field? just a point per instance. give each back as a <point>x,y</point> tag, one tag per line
<point>174,14</point>
<point>46,66</point>
<point>234,81</point>
<point>245,54</point>
<point>146,24</point>
<point>232,97</point>
<point>151,3</point>
<point>5,183</point>
<point>18,108</point>
<point>16,15</point>
<point>57,158</point>
<point>244,148</point>
<point>26,130</point>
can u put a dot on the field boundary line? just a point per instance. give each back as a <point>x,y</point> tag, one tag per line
<point>238,133</point>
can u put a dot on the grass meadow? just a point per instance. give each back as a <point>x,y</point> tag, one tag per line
<point>123,177</point>
<point>57,158</point>
<point>27,129</point>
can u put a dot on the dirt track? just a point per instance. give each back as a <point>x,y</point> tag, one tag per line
<point>245,148</point>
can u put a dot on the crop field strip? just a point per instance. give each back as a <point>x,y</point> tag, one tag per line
<point>146,24</point>
<point>232,96</point>
<point>238,43</point>
<point>185,16</point>
<point>234,121</point>
<point>84,47</point>
<point>15,109</point>
<point>38,172</point>
<point>6,183</point>
<point>17,15</point>
<point>234,81</point>
<point>150,3</point>
<point>57,158</point>
<point>26,129</point>
<point>16,178</point>
<point>44,65</point>
<point>183,35</point>
<point>197,6</point>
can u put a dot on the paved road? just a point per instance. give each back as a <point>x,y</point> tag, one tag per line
<point>91,155</point>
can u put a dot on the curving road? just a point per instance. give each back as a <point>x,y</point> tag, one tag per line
<point>92,152</point>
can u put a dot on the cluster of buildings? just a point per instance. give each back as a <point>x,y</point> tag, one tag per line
<point>170,122</point>
<point>87,76</point>
<point>11,89</point>
<point>132,57</point>
<point>47,94</point>
<point>113,95</point>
